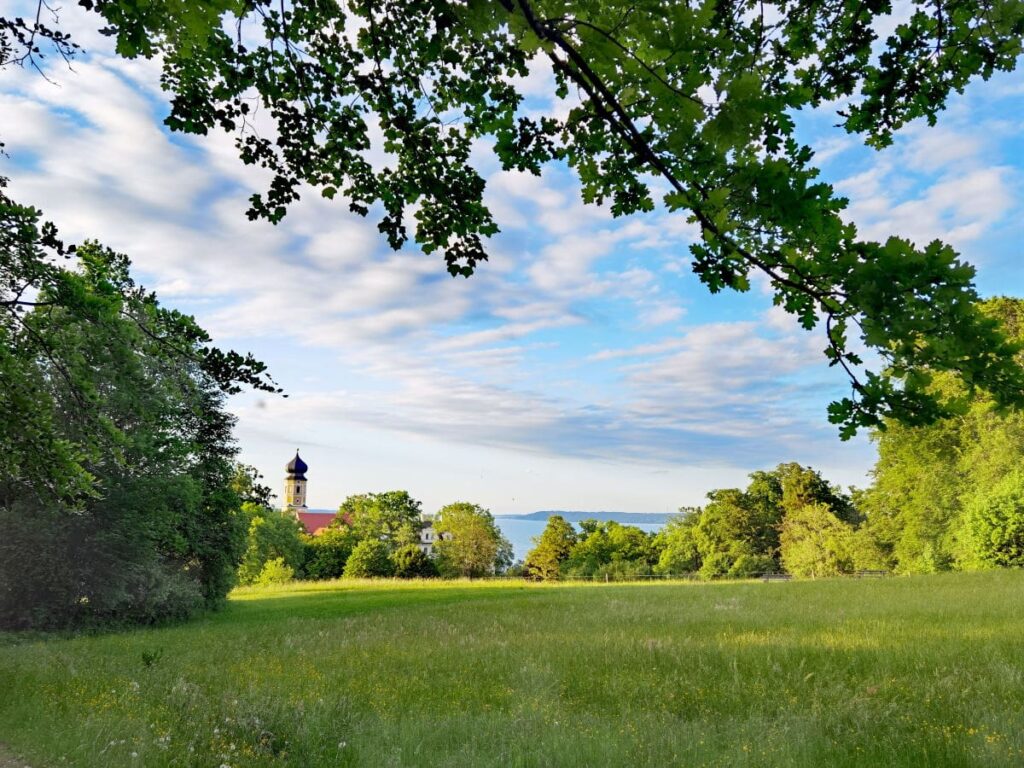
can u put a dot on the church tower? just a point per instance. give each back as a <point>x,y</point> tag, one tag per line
<point>295,483</point>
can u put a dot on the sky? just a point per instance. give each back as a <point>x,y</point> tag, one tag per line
<point>583,367</point>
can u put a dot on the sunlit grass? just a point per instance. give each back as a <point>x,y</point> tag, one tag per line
<point>922,671</point>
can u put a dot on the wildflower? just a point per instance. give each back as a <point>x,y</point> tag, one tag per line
<point>135,754</point>
<point>342,744</point>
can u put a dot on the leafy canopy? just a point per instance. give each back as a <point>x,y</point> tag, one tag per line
<point>119,498</point>
<point>469,542</point>
<point>391,516</point>
<point>551,549</point>
<point>690,105</point>
<point>928,478</point>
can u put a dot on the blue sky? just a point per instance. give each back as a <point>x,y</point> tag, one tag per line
<point>583,367</point>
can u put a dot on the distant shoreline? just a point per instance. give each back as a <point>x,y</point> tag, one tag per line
<point>649,518</point>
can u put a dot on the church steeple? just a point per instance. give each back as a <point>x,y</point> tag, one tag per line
<point>295,483</point>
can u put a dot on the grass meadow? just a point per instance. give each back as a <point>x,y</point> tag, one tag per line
<point>924,671</point>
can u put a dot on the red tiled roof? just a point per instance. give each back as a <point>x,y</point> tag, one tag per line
<point>315,521</point>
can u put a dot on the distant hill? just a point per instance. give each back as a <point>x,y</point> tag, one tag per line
<point>628,518</point>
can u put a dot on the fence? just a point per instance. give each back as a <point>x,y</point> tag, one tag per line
<point>766,576</point>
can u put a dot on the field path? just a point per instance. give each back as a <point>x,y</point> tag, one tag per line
<point>7,760</point>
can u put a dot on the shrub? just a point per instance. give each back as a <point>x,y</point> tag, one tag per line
<point>815,543</point>
<point>747,566</point>
<point>410,562</point>
<point>867,552</point>
<point>995,520</point>
<point>679,553</point>
<point>275,571</point>
<point>716,565</point>
<point>272,535</point>
<point>622,570</point>
<point>327,552</point>
<point>370,558</point>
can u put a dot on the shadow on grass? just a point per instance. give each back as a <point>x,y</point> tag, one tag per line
<point>318,602</point>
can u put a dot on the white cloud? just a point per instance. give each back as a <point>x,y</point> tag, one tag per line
<point>938,183</point>
<point>383,342</point>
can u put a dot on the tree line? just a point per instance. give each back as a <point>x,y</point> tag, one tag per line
<point>373,535</point>
<point>943,496</point>
<point>787,519</point>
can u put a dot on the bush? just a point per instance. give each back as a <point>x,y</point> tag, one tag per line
<point>716,565</point>
<point>275,571</point>
<point>995,520</point>
<point>622,570</point>
<point>410,562</point>
<point>327,552</point>
<point>815,543</point>
<point>867,552</point>
<point>272,535</point>
<point>517,570</point>
<point>369,559</point>
<point>748,566</point>
<point>679,552</point>
<point>61,569</point>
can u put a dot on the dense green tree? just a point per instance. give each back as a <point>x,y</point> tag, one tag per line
<point>370,558</point>
<point>550,550</point>
<point>392,516</point>
<point>272,535</point>
<point>247,485</point>
<point>748,566</point>
<point>411,562</point>
<point>816,543</point>
<point>469,542</point>
<point>687,104</point>
<point>926,476</point>
<point>677,546</point>
<point>995,522</point>
<point>116,452</point>
<point>611,548</point>
<point>738,530</point>
<point>327,552</point>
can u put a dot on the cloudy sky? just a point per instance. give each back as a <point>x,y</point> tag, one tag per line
<point>583,367</point>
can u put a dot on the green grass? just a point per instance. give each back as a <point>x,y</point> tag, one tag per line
<point>925,671</point>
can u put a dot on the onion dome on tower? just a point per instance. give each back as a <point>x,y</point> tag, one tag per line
<point>295,483</point>
<point>296,468</point>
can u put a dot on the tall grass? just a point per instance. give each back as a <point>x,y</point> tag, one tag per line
<point>895,672</point>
